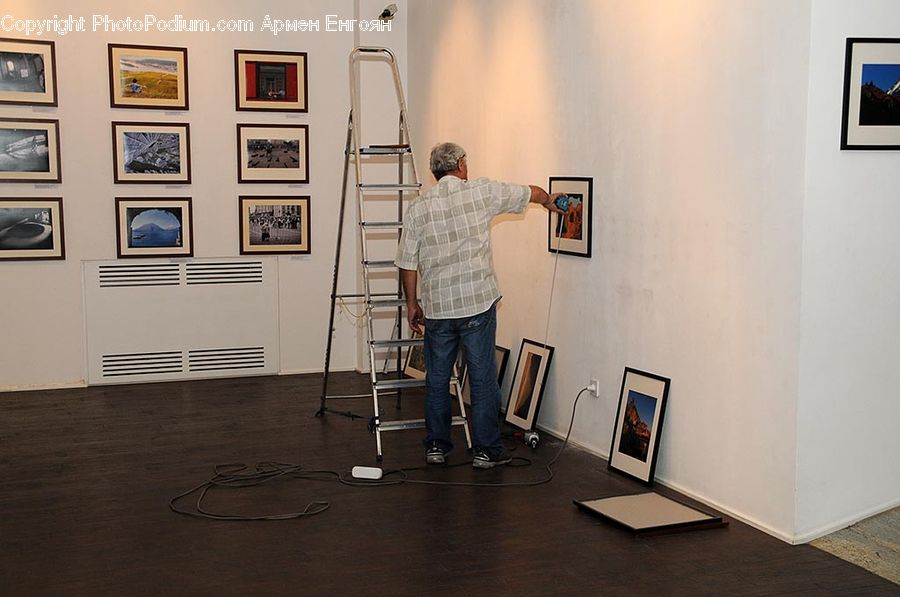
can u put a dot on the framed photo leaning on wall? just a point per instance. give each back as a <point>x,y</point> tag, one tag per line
<point>270,81</point>
<point>31,229</point>
<point>528,382</point>
<point>148,77</point>
<point>274,225</point>
<point>154,227</point>
<point>27,72</point>
<point>871,115</point>
<point>29,150</point>
<point>571,233</point>
<point>151,152</point>
<point>276,153</point>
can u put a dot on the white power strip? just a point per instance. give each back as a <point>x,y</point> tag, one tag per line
<point>372,473</point>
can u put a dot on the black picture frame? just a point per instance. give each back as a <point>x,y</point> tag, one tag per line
<point>572,234</point>
<point>870,118</point>
<point>261,247</point>
<point>42,134</point>
<point>529,380</point>
<point>243,101</point>
<point>119,97</point>
<point>26,238</point>
<point>38,59</point>
<point>120,170</point>
<point>125,249</point>
<point>250,155</point>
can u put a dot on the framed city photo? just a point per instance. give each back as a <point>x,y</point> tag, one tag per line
<point>500,354</point>
<point>871,116</point>
<point>154,227</point>
<point>273,153</point>
<point>29,150</point>
<point>151,152</point>
<point>274,225</point>
<point>27,72</point>
<point>31,229</point>
<point>270,81</point>
<point>570,233</point>
<point>151,77</point>
<point>528,382</point>
<point>639,420</point>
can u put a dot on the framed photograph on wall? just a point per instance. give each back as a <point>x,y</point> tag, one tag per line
<point>273,153</point>
<point>571,233</point>
<point>528,382</point>
<point>151,152</point>
<point>274,225</point>
<point>638,423</point>
<point>871,115</point>
<point>154,227</point>
<point>31,229</point>
<point>29,150</point>
<point>148,77</point>
<point>502,357</point>
<point>270,81</point>
<point>27,72</point>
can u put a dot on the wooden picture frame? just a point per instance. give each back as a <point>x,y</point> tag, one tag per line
<point>154,227</point>
<point>269,81</point>
<point>274,225</point>
<point>30,150</point>
<point>527,389</point>
<point>572,233</point>
<point>870,119</point>
<point>28,72</point>
<point>151,152</point>
<point>273,153</point>
<point>638,424</point>
<point>31,229</point>
<point>501,355</point>
<point>148,77</point>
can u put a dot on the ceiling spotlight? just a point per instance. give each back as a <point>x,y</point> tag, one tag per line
<point>388,13</point>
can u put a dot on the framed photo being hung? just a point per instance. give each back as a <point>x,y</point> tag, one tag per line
<point>571,233</point>
<point>274,225</point>
<point>528,382</point>
<point>638,423</point>
<point>148,77</point>
<point>871,114</point>
<point>29,150</point>
<point>31,229</point>
<point>502,357</point>
<point>151,152</point>
<point>27,72</point>
<point>270,81</point>
<point>273,153</point>
<point>154,227</point>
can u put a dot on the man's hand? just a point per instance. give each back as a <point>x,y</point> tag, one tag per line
<point>551,205</point>
<point>415,317</point>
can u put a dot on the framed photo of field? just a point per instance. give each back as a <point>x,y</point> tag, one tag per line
<point>528,384</point>
<point>270,81</point>
<point>27,72</point>
<point>149,77</point>
<point>154,227</point>
<point>274,225</point>
<point>871,114</point>
<point>276,153</point>
<point>151,152</point>
<point>29,150</point>
<point>571,233</point>
<point>31,229</point>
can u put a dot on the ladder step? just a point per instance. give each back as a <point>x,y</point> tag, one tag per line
<point>385,149</point>
<point>397,343</point>
<point>384,303</point>
<point>378,263</point>
<point>381,224</point>
<point>389,187</point>
<point>394,384</point>
<point>413,424</point>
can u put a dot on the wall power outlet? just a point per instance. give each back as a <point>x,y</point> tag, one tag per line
<point>594,388</point>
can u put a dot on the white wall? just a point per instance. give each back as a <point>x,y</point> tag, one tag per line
<point>848,406</point>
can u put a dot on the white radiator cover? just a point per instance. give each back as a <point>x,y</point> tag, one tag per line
<point>162,320</point>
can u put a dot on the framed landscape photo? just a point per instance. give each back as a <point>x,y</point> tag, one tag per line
<point>27,72</point>
<point>528,382</point>
<point>31,229</point>
<point>274,225</point>
<point>270,81</point>
<point>148,77</point>
<point>151,152</point>
<point>871,114</point>
<point>154,227</point>
<point>638,423</point>
<point>571,232</point>
<point>29,150</point>
<point>273,153</point>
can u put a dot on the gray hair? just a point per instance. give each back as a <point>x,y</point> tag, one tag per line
<point>445,158</point>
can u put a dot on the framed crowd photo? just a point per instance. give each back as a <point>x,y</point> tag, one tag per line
<point>27,72</point>
<point>638,423</point>
<point>154,227</point>
<point>871,114</point>
<point>148,77</point>
<point>270,81</point>
<point>274,225</point>
<point>528,382</point>
<point>502,357</point>
<point>29,150</point>
<point>273,153</point>
<point>570,233</point>
<point>31,229</point>
<point>151,152</point>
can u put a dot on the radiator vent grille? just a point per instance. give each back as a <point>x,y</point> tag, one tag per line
<point>139,274</point>
<point>142,363</point>
<point>224,272</point>
<point>226,359</point>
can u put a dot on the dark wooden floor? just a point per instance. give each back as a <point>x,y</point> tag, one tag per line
<point>85,477</point>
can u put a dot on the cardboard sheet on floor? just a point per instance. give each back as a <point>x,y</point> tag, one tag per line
<point>650,513</point>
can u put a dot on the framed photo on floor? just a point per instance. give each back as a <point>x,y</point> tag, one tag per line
<point>571,233</point>
<point>871,114</point>
<point>274,225</point>
<point>148,77</point>
<point>276,153</point>
<point>415,360</point>
<point>31,229</point>
<point>27,72</point>
<point>527,389</point>
<point>502,356</point>
<point>151,152</point>
<point>154,227</point>
<point>270,81</point>
<point>29,150</point>
<point>638,423</point>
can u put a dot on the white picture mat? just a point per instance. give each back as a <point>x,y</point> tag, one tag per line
<point>243,102</point>
<point>868,53</point>
<point>278,133</point>
<point>55,224</point>
<point>578,187</point>
<point>49,79</point>
<point>511,417</point>
<point>186,227</point>
<point>646,511</point>
<point>649,387</point>
<point>52,150</point>
<point>183,150</point>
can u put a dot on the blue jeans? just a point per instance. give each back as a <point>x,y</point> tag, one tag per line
<point>478,336</point>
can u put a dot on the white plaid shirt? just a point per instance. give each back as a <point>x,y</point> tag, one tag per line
<point>446,237</point>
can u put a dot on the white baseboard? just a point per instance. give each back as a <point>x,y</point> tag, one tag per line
<point>307,371</point>
<point>829,528</point>
<point>52,386</point>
